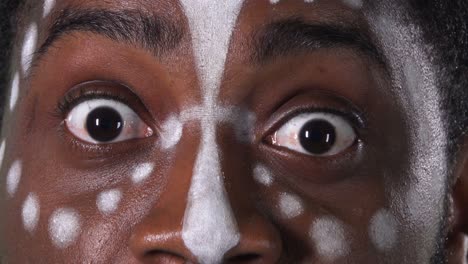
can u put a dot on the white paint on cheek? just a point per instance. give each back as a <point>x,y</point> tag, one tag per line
<point>263,175</point>
<point>64,227</point>
<point>30,212</point>
<point>14,177</point>
<point>142,172</point>
<point>171,132</point>
<point>354,4</point>
<point>2,152</point>
<point>29,47</point>
<point>383,230</point>
<point>290,205</point>
<point>209,228</point>
<point>329,239</point>
<point>14,91</point>
<point>108,201</point>
<point>48,6</point>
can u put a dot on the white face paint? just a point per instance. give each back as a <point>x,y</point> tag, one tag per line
<point>290,205</point>
<point>383,230</point>
<point>14,177</point>
<point>142,172</point>
<point>210,229</point>
<point>64,227</point>
<point>29,47</point>
<point>48,6</point>
<point>465,251</point>
<point>354,4</point>
<point>14,91</point>
<point>108,201</point>
<point>171,132</point>
<point>2,152</point>
<point>263,175</point>
<point>30,212</point>
<point>328,237</point>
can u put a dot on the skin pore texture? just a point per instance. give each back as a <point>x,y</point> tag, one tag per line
<point>210,185</point>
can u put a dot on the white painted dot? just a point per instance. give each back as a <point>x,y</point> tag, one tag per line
<point>309,1</point>
<point>14,91</point>
<point>355,4</point>
<point>108,201</point>
<point>29,47</point>
<point>383,230</point>
<point>263,175</point>
<point>171,133</point>
<point>64,227</point>
<point>48,6</point>
<point>2,152</point>
<point>13,177</point>
<point>329,239</point>
<point>30,212</point>
<point>290,205</point>
<point>274,1</point>
<point>142,172</point>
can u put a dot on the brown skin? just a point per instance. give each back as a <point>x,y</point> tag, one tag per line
<point>350,186</point>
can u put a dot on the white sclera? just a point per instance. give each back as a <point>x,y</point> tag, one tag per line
<point>14,177</point>
<point>108,201</point>
<point>263,175</point>
<point>30,212</point>
<point>29,47</point>
<point>328,237</point>
<point>64,227</point>
<point>290,205</point>
<point>383,230</point>
<point>142,172</point>
<point>14,91</point>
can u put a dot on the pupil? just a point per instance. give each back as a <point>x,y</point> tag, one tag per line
<point>104,124</point>
<point>317,136</point>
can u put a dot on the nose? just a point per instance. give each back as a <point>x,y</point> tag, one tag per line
<point>201,219</point>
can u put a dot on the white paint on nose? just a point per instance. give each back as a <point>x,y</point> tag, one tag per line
<point>14,91</point>
<point>30,212</point>
<point>48,6</point>
<point>290,205</point>
<point>329,238</point>
<point>383,230</point>
<point>29,47</point>
<point>64,227</point>
<point>263,175</point>
<point>14,177</point>
<point>108,201</point>
<point>210,229</point>
<point>142,172</point>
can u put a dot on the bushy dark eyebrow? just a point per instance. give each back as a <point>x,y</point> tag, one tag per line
<point>292,36</point>
<point>153,33</point>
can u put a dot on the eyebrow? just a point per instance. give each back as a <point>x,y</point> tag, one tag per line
<point>150,32</point>
<point>293,36</point>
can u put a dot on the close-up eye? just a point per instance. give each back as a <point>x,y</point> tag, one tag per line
<point>100,121</point>
<point>316,134</point>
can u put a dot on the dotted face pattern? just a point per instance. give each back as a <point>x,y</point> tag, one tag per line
<point>207,216</point>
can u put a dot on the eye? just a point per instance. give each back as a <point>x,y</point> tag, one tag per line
<point>316,134</point>
<point>101,121</point>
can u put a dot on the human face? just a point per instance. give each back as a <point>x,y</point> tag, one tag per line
<point>223,131</point>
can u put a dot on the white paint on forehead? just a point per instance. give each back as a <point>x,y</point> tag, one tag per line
<point>290,205</point>
<point>48,6</point>
<point>414,75</point>
<point>29,47</point>
<point>210,229</point>
<point>30,212</point>
<point>263,175</point>
<point>329,238</point>
<point>14,91</point>
<point>64,227</point>
<point>171,132</point>
<point>14,177</point>
<point>383,230</point>
<point>2,152</point>
<point>142,172</point>
<point>108,201</point>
